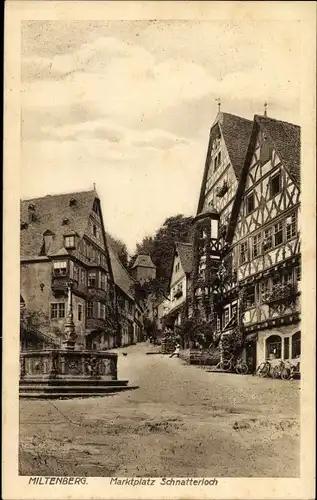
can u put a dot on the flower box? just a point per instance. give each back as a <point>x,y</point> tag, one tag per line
<point>280,292</point>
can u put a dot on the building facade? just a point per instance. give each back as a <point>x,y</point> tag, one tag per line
<point>130,311</point>
<point>63,244</point>
<point>246,247</point>
<point>266,240</point>
<point>174,310</point>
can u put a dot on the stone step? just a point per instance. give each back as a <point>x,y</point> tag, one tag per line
<point>70,388</point>
<point>89,392</point>
<point>72,382</point>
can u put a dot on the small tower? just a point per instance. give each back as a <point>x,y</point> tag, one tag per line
<point>143,268</point>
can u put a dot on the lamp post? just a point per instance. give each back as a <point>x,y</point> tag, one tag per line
<point>70,333</point>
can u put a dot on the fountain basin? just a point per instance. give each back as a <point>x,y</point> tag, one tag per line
<point>56,373</point>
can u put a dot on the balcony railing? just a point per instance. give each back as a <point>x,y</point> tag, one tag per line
<point>60,283</point>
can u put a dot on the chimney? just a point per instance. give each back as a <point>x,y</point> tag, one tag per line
<point>265,108</point>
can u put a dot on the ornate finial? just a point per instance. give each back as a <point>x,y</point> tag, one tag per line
<point>94,187</point>
<point>219,103</point>
<point>265,108</point>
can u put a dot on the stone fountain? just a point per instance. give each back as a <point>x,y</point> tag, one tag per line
<point>69,372</point>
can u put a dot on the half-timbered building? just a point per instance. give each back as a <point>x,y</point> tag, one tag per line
<point>228,143</point>
<point>265,237</point>
<point>246,244</point>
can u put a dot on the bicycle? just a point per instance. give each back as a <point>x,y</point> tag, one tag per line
<point>278,369</point>
<point>290,370</point>
<point>263,369</point>
<point>241,367</point>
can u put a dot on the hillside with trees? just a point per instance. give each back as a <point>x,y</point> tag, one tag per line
<point>161,248</point>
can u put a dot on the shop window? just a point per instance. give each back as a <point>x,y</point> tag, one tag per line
<point>274,347</point>
<point>296,345</point>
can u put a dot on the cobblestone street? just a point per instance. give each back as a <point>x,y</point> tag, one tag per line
<point>182,421</point>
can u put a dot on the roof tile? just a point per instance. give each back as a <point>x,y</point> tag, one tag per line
<point>49,213</point>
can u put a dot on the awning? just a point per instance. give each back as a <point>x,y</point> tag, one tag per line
<point>251,337</point>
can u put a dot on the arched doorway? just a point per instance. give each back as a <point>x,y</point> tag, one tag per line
<point>274,347</point>
<point>296,345</point>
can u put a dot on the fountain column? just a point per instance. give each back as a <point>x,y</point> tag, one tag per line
<point>70,341</point>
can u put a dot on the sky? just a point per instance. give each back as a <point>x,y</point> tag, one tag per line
<point>128,105</point>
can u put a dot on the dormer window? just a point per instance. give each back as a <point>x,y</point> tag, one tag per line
<point>48,237</point>
<point>65,221</point>
<point>73,202</point>
<point>69,241</point>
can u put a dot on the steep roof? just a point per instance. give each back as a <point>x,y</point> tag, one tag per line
<point>286,139</point>
<point>185,252</point>
<point>236,132</point>
<point>121,277</point>
<point>50,211</point>
<point>143,261</point>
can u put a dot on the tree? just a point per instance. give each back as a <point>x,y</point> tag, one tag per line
<point>120,249</point>
<point>32,321</point>
<point>155,288</point>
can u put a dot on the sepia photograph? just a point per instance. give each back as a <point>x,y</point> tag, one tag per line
<point>160,248</point>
